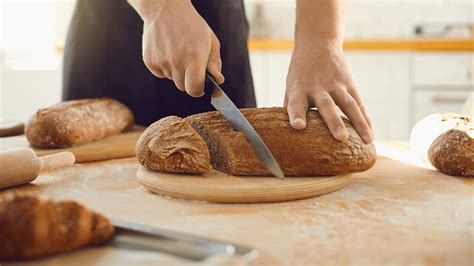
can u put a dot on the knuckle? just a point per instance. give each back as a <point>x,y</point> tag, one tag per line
<point>296,105</point>
<point>192,55</point>
<point>176,61</point>
<point>217,61</point>
<point>294,100</point>
<point>349,101</point>
<point>325,101</point>
<point>162,63</point>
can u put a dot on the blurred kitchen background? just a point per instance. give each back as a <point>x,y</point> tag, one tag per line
<point>410,58</point>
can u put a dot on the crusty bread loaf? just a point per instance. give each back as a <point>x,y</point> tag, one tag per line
<point>172,145</point>
<point>77,122</point>
<point>32,227</point>
<point>11,128</point>
<point>452,152</point>
<point>309,152</point>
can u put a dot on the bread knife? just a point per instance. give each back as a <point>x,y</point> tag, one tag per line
<point>142,237</point>
<point>237,120</point>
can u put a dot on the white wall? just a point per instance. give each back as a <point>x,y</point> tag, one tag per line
<point>369,18</point>
<point>30,66</point>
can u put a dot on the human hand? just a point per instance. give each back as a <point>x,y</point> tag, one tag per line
<point>319,76</point>
<point>178,44</point>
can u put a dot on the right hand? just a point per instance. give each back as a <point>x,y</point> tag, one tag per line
<point>179,45</point>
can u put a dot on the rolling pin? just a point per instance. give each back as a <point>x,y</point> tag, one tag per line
<point>21,166</point>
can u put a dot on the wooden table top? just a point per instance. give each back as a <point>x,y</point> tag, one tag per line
<point>395,213</point>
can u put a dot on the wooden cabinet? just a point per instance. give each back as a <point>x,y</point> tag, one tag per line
<point>384,83</point>
<point>438,69</point>
<point>437,101</point>
<point>442,82</point>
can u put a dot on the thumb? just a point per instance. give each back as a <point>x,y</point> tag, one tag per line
<point>297,106</point>
<point>214,65</point>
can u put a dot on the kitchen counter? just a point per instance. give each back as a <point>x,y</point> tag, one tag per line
<point>375,44</point>
<point>396,213</point>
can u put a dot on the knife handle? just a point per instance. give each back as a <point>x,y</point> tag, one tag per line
<point>209,83</point>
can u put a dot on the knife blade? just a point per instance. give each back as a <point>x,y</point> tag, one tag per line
<point>237,120</point>
<point>142,237</point>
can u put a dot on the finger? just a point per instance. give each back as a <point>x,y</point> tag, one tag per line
<point>352,89</point>
<point>194,78</point>
<point>355,94</point>
<point>156,69</point>
<point>168,74</point>
<point>350,107</point>
<point>297,108</point>
<point>214,65</point>
<point>361,105</point>
<point>328,110</point>
<point>158,73</point>
<point>178,79</point>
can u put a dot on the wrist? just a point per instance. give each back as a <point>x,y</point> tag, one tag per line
<point>150,9</point>
<point>320,45</point>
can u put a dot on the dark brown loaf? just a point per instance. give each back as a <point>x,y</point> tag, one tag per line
<point>32,227</point>
<point>172,145</point>
<point>309,152</point>
<point>452,152</point>
<point>77,122</point>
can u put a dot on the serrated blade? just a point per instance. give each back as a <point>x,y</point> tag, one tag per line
<point>236,119</point>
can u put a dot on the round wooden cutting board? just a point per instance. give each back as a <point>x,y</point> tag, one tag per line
<point>219,187</point>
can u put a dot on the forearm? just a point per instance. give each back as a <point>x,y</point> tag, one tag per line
<point>320,22</point>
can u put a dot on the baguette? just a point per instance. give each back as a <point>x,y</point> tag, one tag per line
<point>33,227</point>
<point>172,145</point>
<point>309,152</point>
<point>77,122</point>
<point>452,152</point>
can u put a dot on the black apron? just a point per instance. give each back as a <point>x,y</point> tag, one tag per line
<point>103,57</point>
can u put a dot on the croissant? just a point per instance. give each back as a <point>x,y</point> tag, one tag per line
<point>31,227</point>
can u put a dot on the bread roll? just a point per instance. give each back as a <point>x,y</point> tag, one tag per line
<point>77,122</point>
<point>33,227</point>
<point>309,152</point>
<point>172,145</point>
<point>452,152</point>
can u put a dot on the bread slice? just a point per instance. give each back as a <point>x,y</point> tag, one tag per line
<point>309,152</point>
<point>77,122</point>
<point>452,152</point>
<point>172,145</point>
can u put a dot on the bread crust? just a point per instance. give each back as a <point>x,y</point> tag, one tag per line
<point>32,227</point>
<point>309,152</point>
<point>77,122</point>
<point>172,145</point>
<point>452,152</point>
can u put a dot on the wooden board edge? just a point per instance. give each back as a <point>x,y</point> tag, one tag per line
<point>338,182</point>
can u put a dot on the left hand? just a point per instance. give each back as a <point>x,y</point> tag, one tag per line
<point>319,76</point>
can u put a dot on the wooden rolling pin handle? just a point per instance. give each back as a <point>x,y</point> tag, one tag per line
<point>56,160</point>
